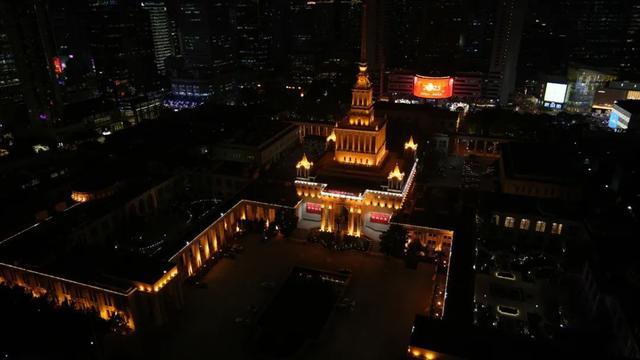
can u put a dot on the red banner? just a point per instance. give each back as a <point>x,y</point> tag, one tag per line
<point>313,208</point>
<point>380,218</point>
<point>432,87</point>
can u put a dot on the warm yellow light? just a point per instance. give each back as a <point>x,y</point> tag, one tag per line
<point>304,163</point>
<point>411,144</point>
<point>396,174</point>
<point>332,136</point>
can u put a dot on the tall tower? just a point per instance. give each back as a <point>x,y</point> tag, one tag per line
<point>360,138</point>
<point>27,28</point>
<point>506,48</point>
<point>160,31</point>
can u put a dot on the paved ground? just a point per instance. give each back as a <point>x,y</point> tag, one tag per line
<point>387,296</point>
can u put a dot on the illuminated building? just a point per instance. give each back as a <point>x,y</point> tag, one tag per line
<point>9,79</point>
<point>121,45</point>
<point>605,98</point>
<point>160,31</point>
<point>30,35</point>
<point>506,47</point>
<point>584,81</point>
<point>624,115</point>
<point>356,186</point>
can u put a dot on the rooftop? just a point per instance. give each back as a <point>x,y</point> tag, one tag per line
<point>555,163</point>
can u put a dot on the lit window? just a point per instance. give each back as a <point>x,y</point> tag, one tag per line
<point>556,228</point>
<point>524,224</point>
<point>508,222</point>
<point>495,219</point>
<point>540,226</point>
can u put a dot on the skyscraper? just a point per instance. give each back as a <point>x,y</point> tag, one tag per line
<point>506,48</point>
<point>9,78</point>
<point>27,27</point>
<point>160,31</point>
<point>121,44</point>
<point>253,34</point>
<point>207,49</point>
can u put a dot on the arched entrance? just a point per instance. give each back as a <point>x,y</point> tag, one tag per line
<point>342,220</point>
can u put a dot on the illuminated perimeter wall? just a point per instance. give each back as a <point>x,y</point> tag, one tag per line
<point>141,304</point>
<point>212,239</point>
<point>138,303</point>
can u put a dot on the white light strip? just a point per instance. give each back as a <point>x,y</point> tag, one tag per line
<point>222,217</point>
<point>69,281</point>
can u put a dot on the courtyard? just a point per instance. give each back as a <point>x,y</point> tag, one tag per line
<point>220,318</point>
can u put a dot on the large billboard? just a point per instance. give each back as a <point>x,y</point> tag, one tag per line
<point>555,93</point>
<point>432,87</point>
<point>619,120</point>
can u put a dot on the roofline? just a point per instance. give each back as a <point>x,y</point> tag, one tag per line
<point>172,258</point>
<point>132,288</point>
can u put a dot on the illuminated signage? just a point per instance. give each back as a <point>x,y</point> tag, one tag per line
<point>340,193</point>
<point>618,120</point>
<point>555,93</point>
<point>432,87</point>
<point>57,65</point>
<point>380,218</point>
<point>313,208</point>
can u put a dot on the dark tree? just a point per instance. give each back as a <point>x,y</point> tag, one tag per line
<point>393,240</point>
<point>36,328</point>
<point>286,220</point>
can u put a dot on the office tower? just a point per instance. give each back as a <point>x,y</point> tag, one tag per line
<point>476,37</point>
<point>404,30</point>
<point>9,79</point>
<point>160,32</point>
<point>27,27</point>
<point>253,34</point>
<point>121,43</point>
<point>302,54</point>
<point>631,63</point>
<point>74,73</point>
<point>506,47</point>
<point>600,32</point>
<point>206,48</point>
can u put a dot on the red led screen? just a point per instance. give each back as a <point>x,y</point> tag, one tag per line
<point>432,87</point>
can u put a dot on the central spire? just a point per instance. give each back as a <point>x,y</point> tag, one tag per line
<point>363,38</point>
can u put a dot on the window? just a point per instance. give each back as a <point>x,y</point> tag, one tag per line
<point>524,224</point>
<point>495,219</point>
<point>508,222</point>
<point>556,228</point>
<point>540,226</point>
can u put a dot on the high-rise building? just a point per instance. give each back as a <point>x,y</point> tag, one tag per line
<point>599,33</point>
<point>253,34</point>
<point>122,48</point>
<point>27,28</point>
<point>631,63</point>
<point>206,46</point>
<point>9,78</point>
<point>506,48</point>
<point>74,72</point>
<point>160,31</point>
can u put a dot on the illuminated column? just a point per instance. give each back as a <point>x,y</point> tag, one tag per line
<point>205,244</point>
<point>351,221</point>
<point>323,217</point>
<point>330,218</point>
<point>358,222</point>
